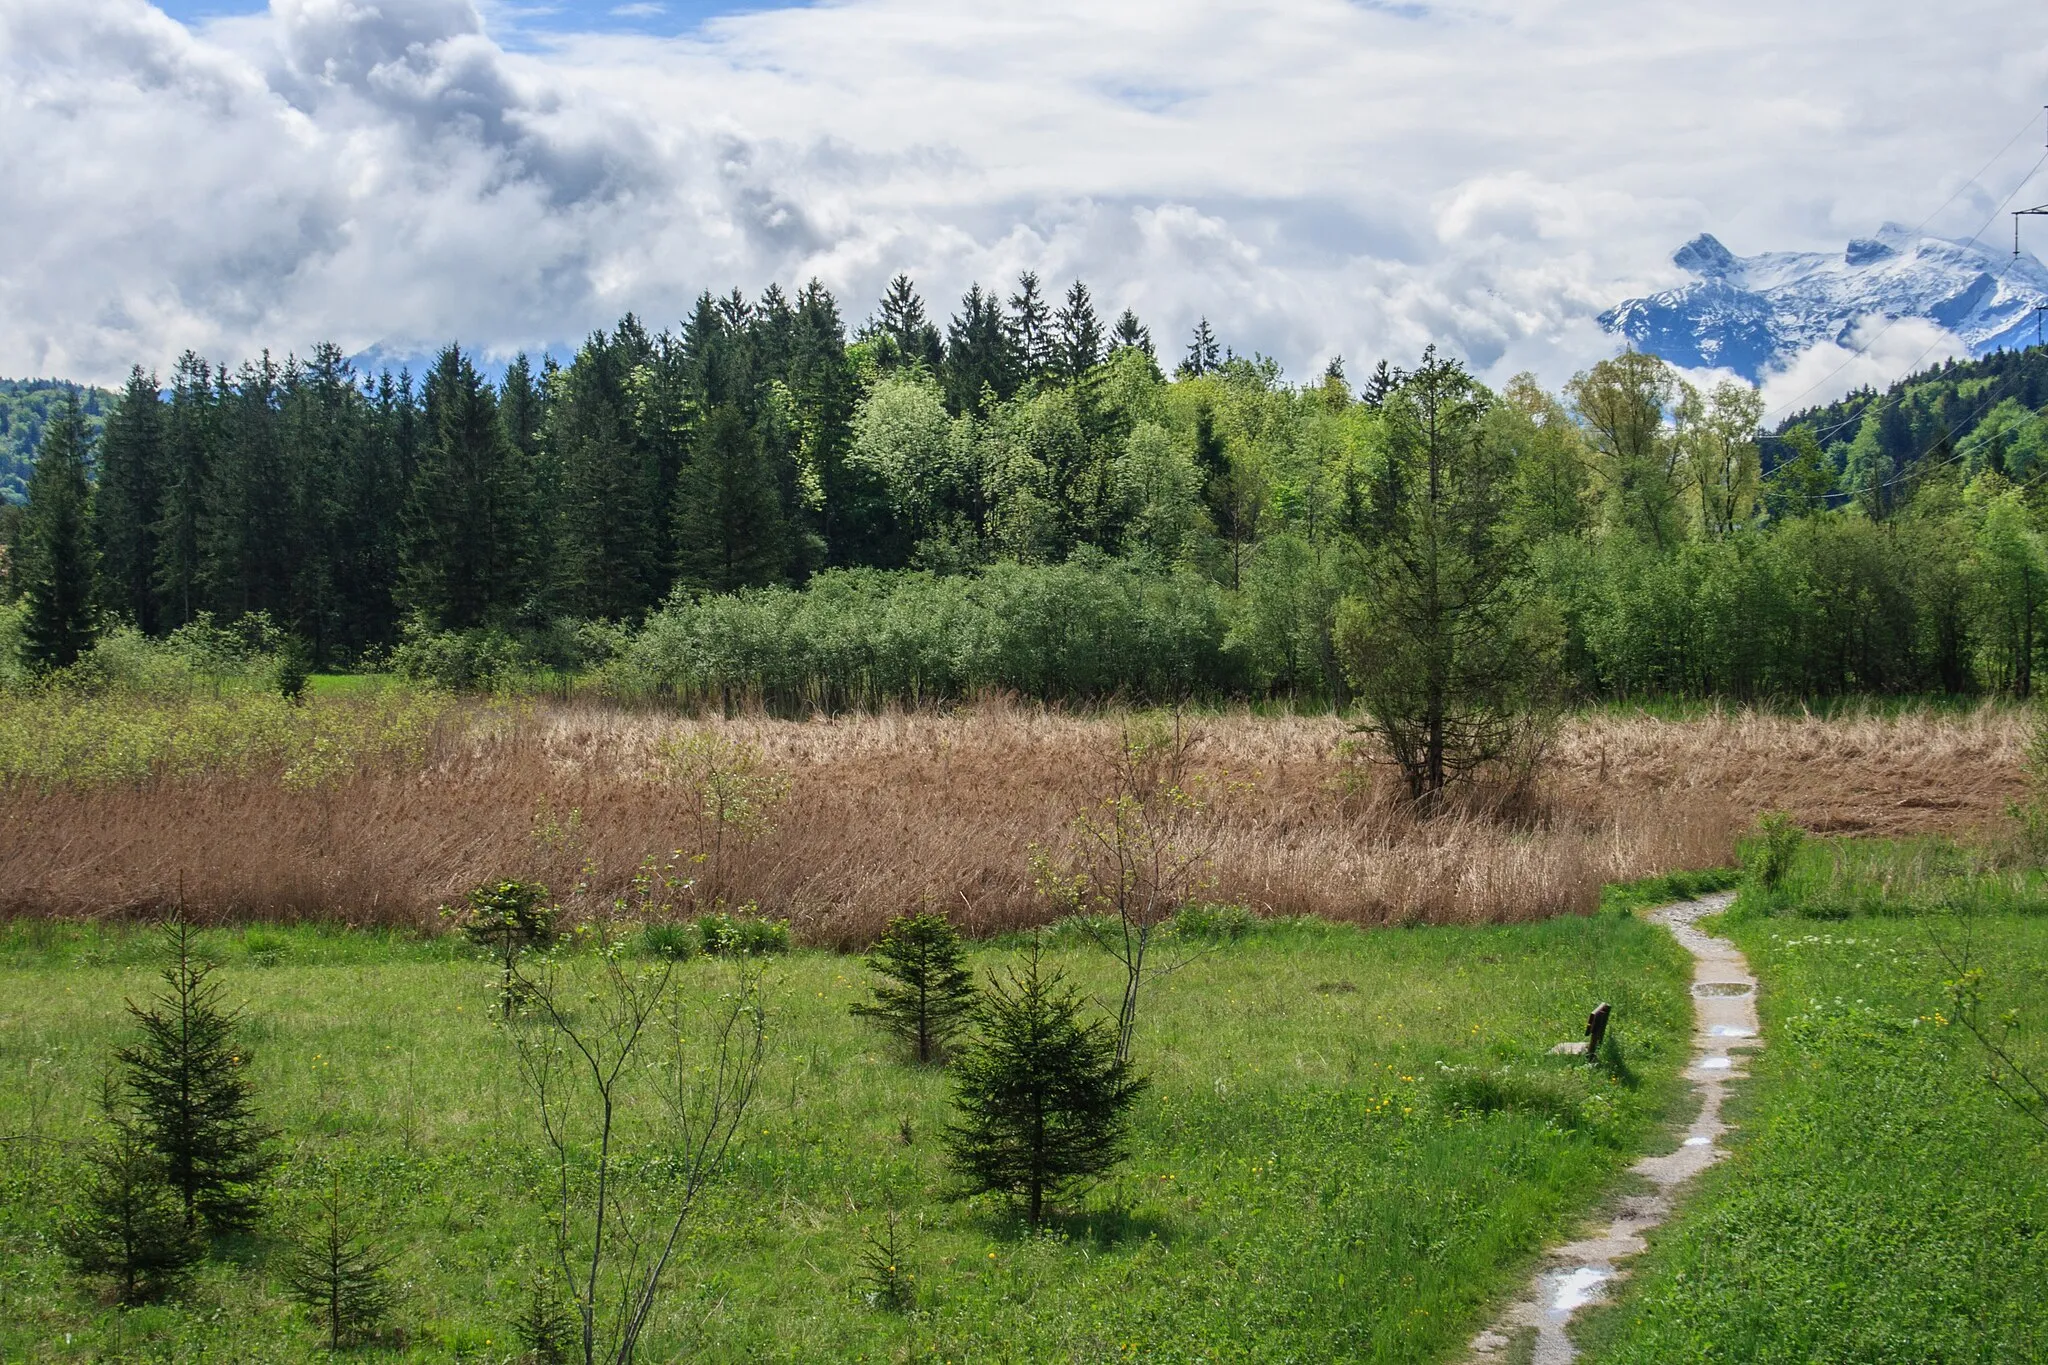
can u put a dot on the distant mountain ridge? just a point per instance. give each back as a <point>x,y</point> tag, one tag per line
<point>1751,314</point>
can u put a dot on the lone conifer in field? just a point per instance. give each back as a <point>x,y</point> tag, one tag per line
<point>337,1273</point>
<point>189,1082</point>
<point>927,992</point>
<point>131,1225</point>
<point>1043,1100</point>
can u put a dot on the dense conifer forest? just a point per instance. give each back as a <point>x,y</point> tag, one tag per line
<point>1032,497</point>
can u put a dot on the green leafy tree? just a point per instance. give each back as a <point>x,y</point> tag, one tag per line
<point>188,1081</point>
<point>130,1225</point>
<point>1445,659</point>
<point>1802,481</point>
<point>58,558</point>
<point>1043,1102</point>
<point>926,993</point>
<point>1621,403</point>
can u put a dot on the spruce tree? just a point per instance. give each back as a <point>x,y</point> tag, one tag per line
<point>58,558</point>
<point>1080,334</point>
<point>337,1273</point>
<point>130,1225</point>
<point>468,553</point>
<point>981,354</point>
<point>913,340</point>
<point>1204,353</point>
<point>1031,329</point>
<point>1131,333</point>
<point>608,540</point>
<point>189,436</point>
<point>129,503</point>
<point>729,525</point>
<point>927,993</point>
<point>188,1081</point>
<point>1044,1103</point>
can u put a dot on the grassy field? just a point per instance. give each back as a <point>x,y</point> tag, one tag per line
<point>1883,1204</point>
<point>1311,1179</point>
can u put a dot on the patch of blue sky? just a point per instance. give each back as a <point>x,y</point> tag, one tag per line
<point>510,19</point>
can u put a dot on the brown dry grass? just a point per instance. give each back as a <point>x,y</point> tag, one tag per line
<point>885,812</point>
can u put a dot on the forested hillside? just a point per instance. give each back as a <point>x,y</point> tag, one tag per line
<point>25,408</point>
<point>757,505</point>
<point>1979,414</point>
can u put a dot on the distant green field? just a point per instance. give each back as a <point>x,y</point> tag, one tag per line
<point>1883,1205</point>
<point>1302,1187</point>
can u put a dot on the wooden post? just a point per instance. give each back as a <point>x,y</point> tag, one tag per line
<point>1596,1030</point>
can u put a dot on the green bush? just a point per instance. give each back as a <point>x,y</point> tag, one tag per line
<point>742,935</point>
<point>667,938</point>
<point>1215,923</point>
<point>1771,849</point>
<point>459,660</point>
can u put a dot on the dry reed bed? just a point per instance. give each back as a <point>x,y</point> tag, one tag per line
<point>886,812</point>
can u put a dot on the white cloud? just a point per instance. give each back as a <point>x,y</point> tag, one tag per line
<point>1882,350</point>
<point>1314,175</point>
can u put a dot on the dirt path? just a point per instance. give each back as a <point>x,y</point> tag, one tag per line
<point>1576,1274</point>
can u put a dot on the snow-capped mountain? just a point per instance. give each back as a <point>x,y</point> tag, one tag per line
<point>1753,313</point>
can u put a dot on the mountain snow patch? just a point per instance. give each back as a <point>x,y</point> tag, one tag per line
<point>1753,314</point>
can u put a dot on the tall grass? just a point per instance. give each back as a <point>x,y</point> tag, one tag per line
<point>887,812</point>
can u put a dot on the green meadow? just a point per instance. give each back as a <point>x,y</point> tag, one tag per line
<point>1351,1143</point>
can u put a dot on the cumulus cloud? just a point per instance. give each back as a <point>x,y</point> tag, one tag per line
<point>1315,176</point>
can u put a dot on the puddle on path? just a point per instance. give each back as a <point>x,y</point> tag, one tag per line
<point>1577,1274</point>
<point>1577,1288</point>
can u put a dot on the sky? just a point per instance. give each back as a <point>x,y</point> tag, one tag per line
<point>1316,177</point>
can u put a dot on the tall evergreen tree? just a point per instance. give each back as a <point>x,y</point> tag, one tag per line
<point>1204,354</point>
<point>1129,332</point>
<point>129,503</point>
<point>729,524</point>
<point>608,551</point>
<point>468,552</point>
<point>190,430</point>
<point>851,511</point>
<point>1080,334</point>
<point>1031,329</point>
<point>59,562</point>
<point>981,354</point>
<point>248,551</point>
<point>913,339</point>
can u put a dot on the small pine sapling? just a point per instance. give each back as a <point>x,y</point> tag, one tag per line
<point>927,992</point>
<point>547,1332</point>
<point>337,1274</point>
<point>131,1224</point>
<point>507,918</point>
<point>1044,1101</point>
<point>188,1082</point>
<point>885,1275</point>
